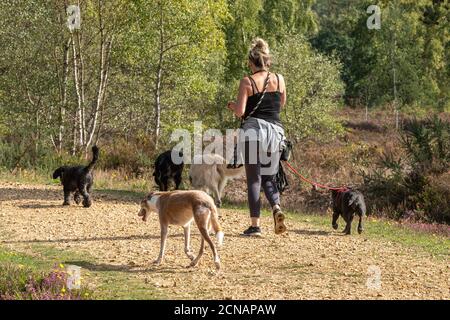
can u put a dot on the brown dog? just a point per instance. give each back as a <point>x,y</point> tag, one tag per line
<point>180,208</point>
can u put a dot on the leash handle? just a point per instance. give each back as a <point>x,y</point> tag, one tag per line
<point>343,188</point>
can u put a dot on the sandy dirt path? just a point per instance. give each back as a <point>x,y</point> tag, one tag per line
<point>307,263</point>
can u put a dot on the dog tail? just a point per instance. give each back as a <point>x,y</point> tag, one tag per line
<point>231,172</point>
<point>95,152</point>
<point>215,224</point>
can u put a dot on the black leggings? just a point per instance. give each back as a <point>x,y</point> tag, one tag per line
<point>254,182</point>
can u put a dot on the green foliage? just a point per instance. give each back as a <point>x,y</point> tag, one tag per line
<point>195,53</point>
<point>434,201</point>
<point>239,31</point>
<point>13,279</point>
<point>15,155</point>
<point>280,18</point>
<point>184,39</point>
<point>313,87</point>
<point>412,43</point>
<point>427,144</point>
<point>342,27</point>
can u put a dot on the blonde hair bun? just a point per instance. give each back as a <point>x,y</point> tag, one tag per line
<point>260,45</point>
<point>259,53</point>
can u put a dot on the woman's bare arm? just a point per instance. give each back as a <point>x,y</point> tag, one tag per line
<point>239,107</point>
<point>283,90</point>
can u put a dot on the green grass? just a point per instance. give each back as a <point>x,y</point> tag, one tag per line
<point>136,195</point>
<point>20,259</point>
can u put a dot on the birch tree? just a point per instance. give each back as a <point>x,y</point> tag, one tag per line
<point>95,40</point>
<point>176,38</point>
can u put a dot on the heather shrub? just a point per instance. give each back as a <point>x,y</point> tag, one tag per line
<point>364,126</point>
<point>22,283</point>
<point>427,145</point>
<point>15,156</point>
<point>13,279</point>
<point>129,155</point>
<point>434,201</point>
<point>412,184</point>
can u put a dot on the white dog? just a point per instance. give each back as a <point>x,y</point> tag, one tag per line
<point>210,174</point>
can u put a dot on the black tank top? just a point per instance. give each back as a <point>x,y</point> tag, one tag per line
<point>270,106</point>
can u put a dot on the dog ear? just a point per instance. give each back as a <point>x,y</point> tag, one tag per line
<point>58,173</point>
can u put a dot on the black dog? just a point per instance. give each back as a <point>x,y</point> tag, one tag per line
<point>347,203</point>
<point>166,170</point>
<point>78,179</point>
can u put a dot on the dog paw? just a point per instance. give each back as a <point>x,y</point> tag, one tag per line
<point>87,203</point>
<point>360,230</point>
<point>217,266</point>
<point>193,264</point>
<point>335,226</point>
<point>66,204</point>
<point>190,256</point>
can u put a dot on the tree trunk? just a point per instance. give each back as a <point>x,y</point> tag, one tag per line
<point>38,135</point>
<point>394,71</point>
<point>76,76</point>
<point>63,105</point>
<point>35,108</point>
<point>157,103</point>
<point>74,136</point>
<point>82,83</point>
<point>105,52</point>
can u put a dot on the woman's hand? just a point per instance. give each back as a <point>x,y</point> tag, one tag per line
<point>231,105</point>
<point>238,107</point>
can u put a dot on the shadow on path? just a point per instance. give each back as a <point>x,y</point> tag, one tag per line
<point>116,238</point>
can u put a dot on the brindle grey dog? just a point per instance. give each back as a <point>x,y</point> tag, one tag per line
<point>347,203</point>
